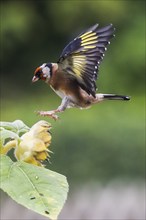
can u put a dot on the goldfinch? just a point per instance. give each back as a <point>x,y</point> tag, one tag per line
<point>74,76</point>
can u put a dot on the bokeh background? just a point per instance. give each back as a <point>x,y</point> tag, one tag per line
<point>100,150</point>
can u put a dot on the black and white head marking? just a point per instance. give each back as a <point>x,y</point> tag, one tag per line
<point>46,70</point>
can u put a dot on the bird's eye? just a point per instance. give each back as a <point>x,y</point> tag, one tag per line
<point>38,73</point>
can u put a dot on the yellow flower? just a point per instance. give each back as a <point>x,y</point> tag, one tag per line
<point>33,146</point>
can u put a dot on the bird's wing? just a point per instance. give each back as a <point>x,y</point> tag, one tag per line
<point>82,56</point>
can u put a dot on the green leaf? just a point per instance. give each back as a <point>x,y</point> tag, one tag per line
<point>36,188</point>
<point>4,134</point>
<point>17,126</point>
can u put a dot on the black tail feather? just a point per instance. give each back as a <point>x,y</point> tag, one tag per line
<point>116,97</point>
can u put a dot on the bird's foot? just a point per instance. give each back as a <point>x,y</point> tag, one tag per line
<point>49,114</point>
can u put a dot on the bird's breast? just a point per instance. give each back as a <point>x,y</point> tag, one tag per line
<point>64,85</point>
<point>60,93</point>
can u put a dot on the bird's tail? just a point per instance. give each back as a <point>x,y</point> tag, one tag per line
<point>102,97</point>
<point>115,97</point>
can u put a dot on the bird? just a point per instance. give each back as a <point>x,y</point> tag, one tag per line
<point>73,77</point>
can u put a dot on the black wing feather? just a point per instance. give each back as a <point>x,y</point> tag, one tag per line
<point>82,56</point>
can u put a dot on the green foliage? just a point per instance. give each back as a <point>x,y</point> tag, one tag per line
<point>36,188</point>
<point>17,127</point>
<point>10,133</point>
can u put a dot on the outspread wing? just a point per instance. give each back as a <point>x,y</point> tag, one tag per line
<point>82,56</point>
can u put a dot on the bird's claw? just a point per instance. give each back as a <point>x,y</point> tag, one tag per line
<point>49,114</point>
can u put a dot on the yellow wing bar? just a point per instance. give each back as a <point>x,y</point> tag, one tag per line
<point>87,35</point>
<point>89,40</point>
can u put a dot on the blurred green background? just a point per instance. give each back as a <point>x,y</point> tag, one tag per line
<point>105,142</point>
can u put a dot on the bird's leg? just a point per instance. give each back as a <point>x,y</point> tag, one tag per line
<point>61,108</point>
<point>64,104</point>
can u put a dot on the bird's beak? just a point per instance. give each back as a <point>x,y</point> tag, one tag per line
<point>34,79</point>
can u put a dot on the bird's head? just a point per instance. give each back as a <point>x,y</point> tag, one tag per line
<point>43,72</point>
